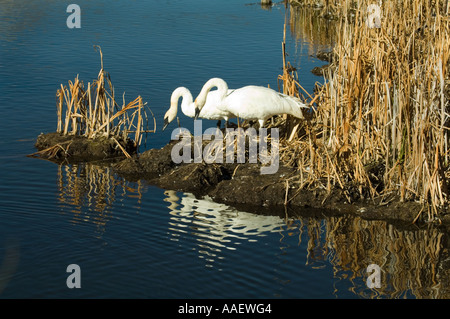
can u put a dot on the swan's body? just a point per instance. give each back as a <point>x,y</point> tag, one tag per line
<point>209,110</point>
<point>249,102</point>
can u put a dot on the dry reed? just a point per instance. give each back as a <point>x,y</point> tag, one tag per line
<point>94,111</point>
<point>380,128</point>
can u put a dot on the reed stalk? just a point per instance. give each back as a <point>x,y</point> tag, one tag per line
<point>381,125</point>
<point>94,112</point>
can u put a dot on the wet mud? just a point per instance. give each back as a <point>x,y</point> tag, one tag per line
<point>326,56</point>
<point>72,148</point>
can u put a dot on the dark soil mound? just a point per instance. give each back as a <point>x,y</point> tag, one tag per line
<point>58,147</point>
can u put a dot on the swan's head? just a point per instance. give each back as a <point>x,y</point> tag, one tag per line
<point>198,105</point>
<point>170,115</point>
<point>176,95</point>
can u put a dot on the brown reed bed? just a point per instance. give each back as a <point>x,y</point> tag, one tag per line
<point>92,113</point>
<point>380,125</point>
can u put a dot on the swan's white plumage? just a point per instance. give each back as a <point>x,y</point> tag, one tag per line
<point>249,102</point>
<point>209,110</point>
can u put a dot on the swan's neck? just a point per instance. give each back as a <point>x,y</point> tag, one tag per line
<point>222,88</point>
<point>294,107</point>
<point>187,101</point>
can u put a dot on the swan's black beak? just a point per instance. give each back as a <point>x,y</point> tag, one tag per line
<point>197,112</point>
<point>166,122</point>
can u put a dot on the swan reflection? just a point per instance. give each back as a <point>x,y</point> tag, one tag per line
<point>216,226</point>
<point>413,261</point>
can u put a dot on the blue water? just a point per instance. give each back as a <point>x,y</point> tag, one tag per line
<point>131,239</point>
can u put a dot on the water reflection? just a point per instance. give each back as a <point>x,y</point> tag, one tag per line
<point>311,32</point>
<point>306,25</point>
<point>215,226</point>
<point>412,262</point>
<point>90,190</point>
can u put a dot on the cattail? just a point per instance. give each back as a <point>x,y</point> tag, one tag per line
<point>382,105</point>
<point>92,116</point>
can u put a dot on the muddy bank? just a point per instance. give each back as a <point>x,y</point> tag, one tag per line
<point>240,185</point>
<point>58,147</point>
<point>326,56</point>
<point>243,186</point>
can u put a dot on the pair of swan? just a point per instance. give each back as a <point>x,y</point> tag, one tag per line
<point>209,110</point>
<point>249,103</point>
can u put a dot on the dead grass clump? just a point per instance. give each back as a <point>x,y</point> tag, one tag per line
<point>93,112</point>
<point>381,128</point>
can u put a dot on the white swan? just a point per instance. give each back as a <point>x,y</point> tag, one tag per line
<point>209,111</point>
<point>249,102</point>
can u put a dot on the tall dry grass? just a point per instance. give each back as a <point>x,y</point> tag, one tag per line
<point>380,128</point>
<point>94,111</point>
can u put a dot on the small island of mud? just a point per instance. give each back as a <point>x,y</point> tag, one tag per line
<point>242,185</point>
<point>59,147</point>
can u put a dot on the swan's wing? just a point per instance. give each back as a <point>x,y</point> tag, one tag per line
<point>213,109</point>
<point>251,102</point>
<point>294,99</point>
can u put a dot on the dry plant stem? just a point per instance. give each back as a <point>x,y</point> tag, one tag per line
<point>52,151</point>
<point>384,104</point>
<point>121,148</point>
<point>91,112</point>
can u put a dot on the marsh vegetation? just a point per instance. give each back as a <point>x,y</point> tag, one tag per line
<point>377,131</point>
<point>92,125</point>
<point>380,123</point>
